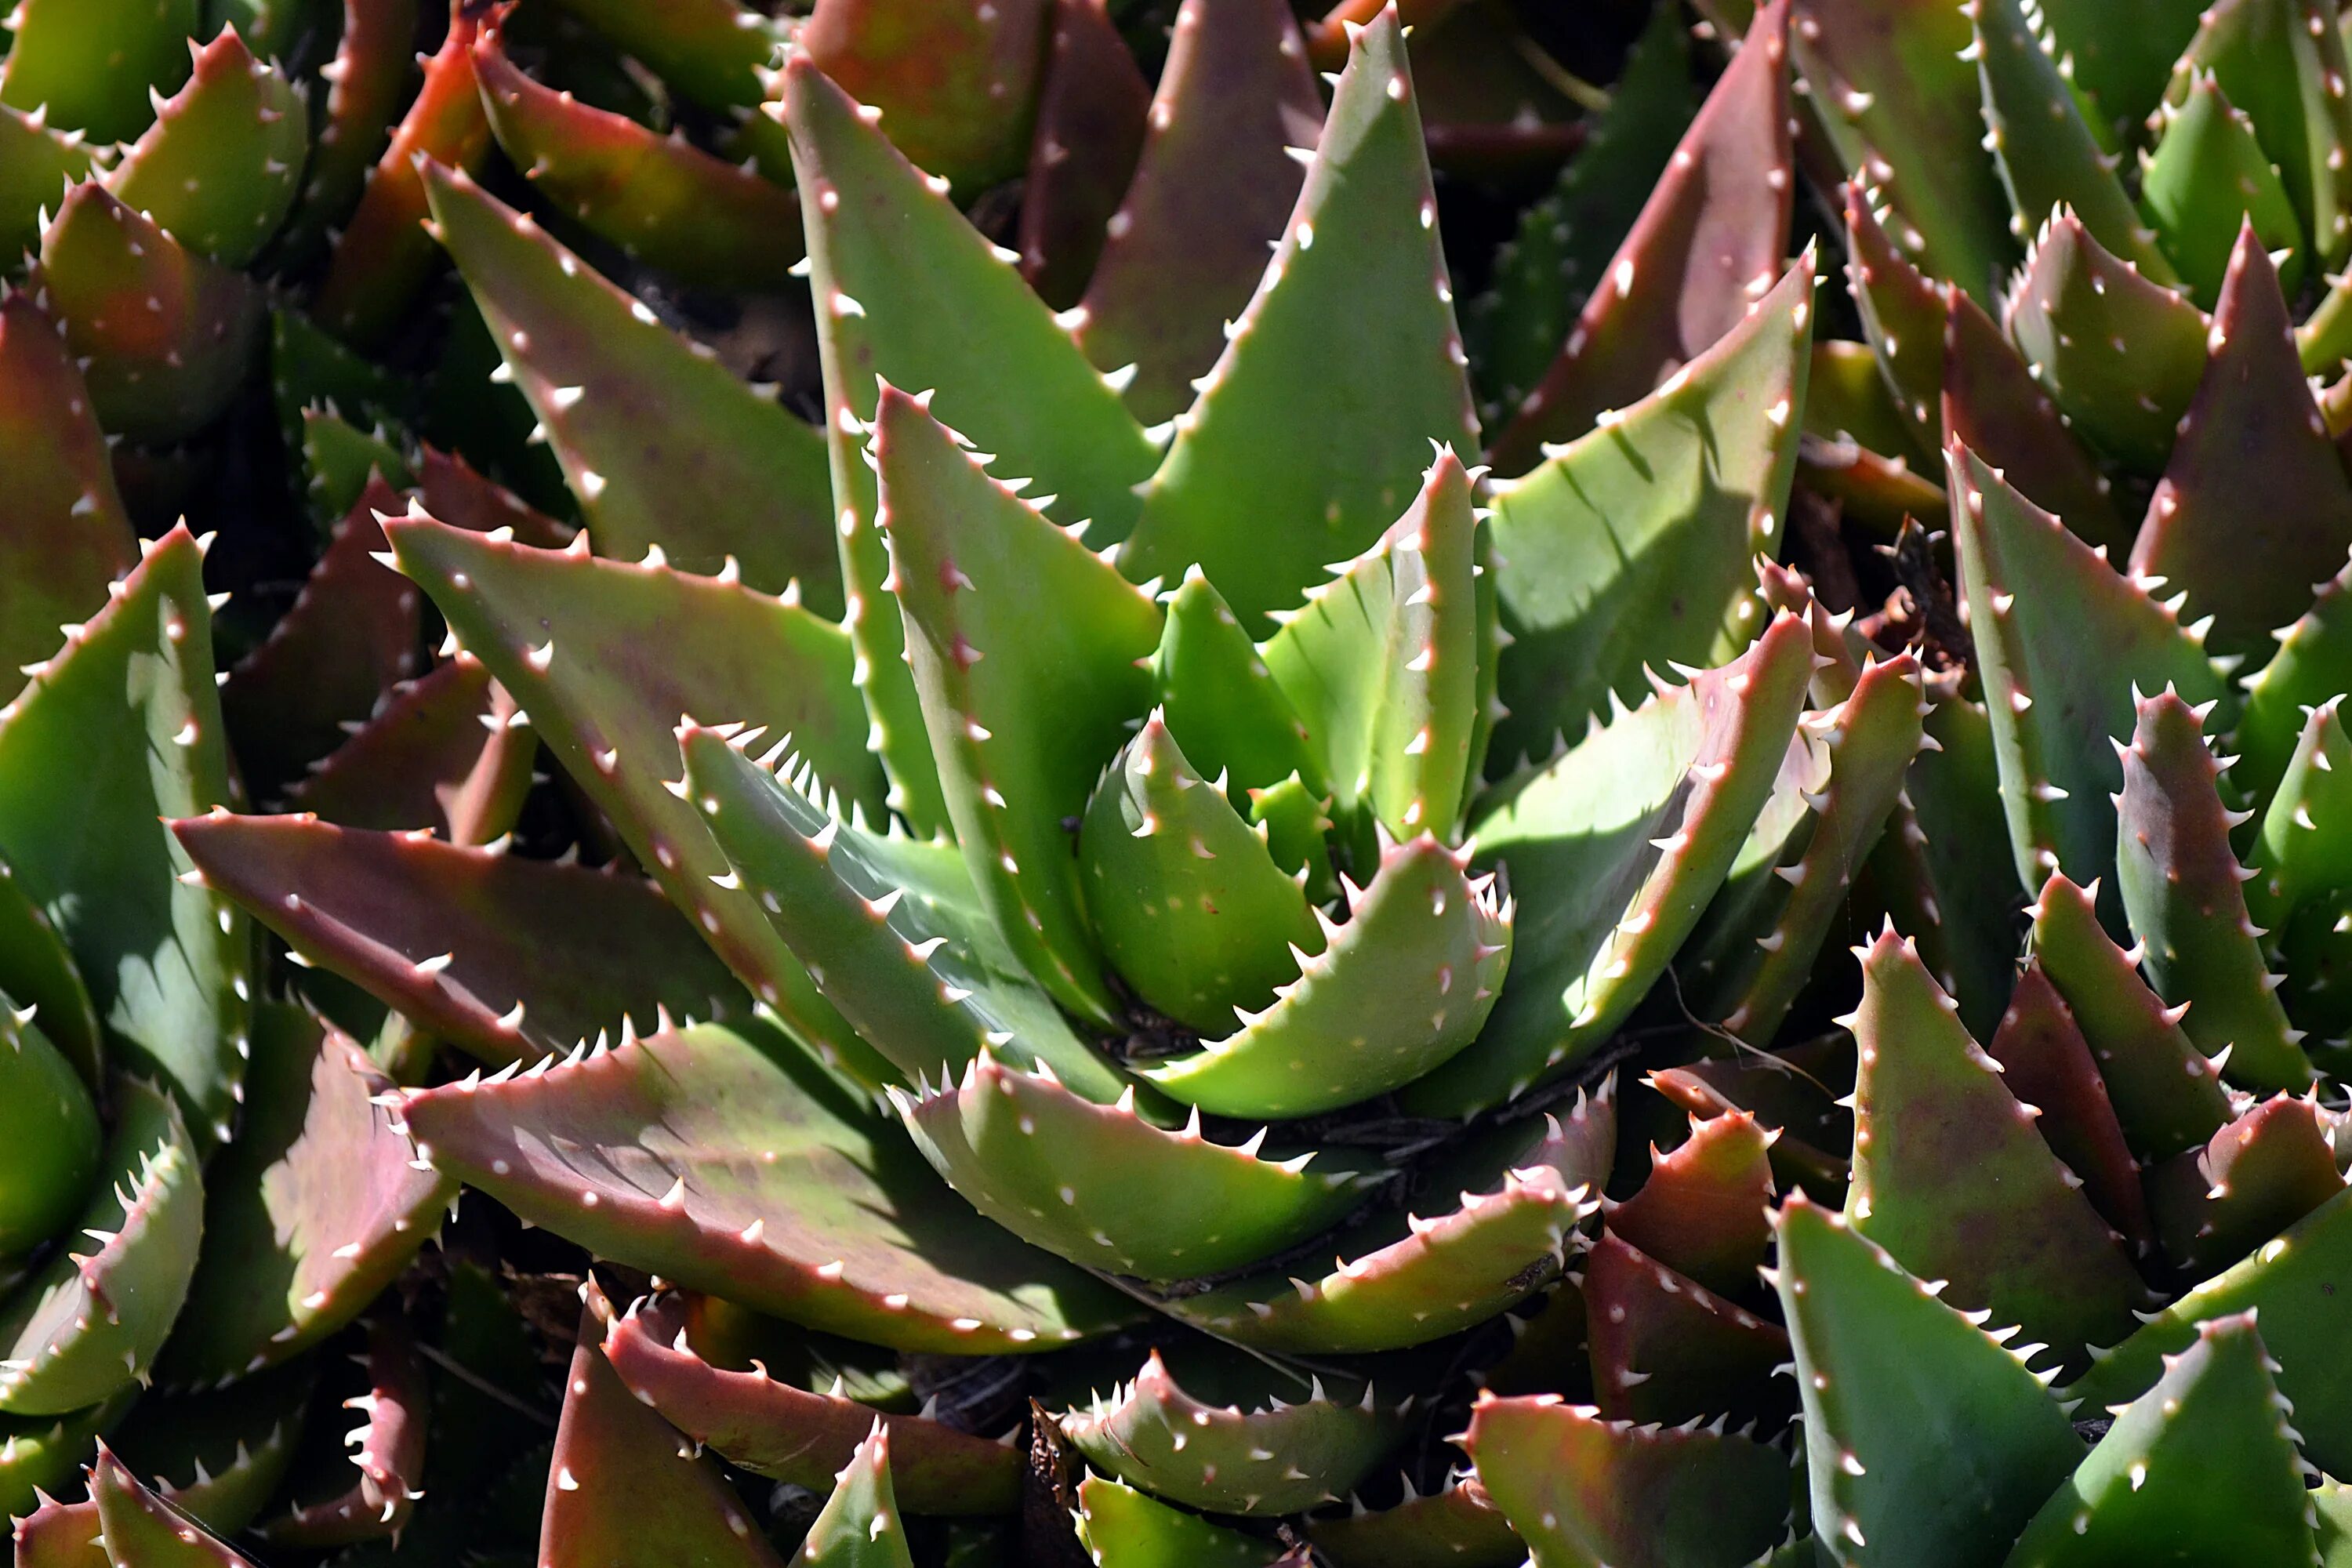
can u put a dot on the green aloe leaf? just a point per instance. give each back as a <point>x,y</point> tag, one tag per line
<point>218,167</point>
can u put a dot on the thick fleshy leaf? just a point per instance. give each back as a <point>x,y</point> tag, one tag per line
<point>1389,1290</point>
<point>2181,888</point>
<point>2293,1280</point>
<point>1281,1458</point>
<point>606,658</point>
<point>664,445</point>
<point>40,1455</point>
<point>1580,1488</point>
<point>712,50</point>
<point>1455,1528</point>
<point>1702,1209</point>
<point>2207,175</point>
<point>1872,736</point>
<point>450,751</point>
<point>2254,507</point>
<point>770,1426</point>
<point>505,958</point>
<point>2120,355</point>
<point>2283,71</point>
<point>860,1525</point>
<point>388,1452</point>
<point>1193,909</point>
<point>1709,241</point>
<point>1950,1178</point>
<point>2063,640</point>
<point>1992,406</point>
<point>1665,1348</point>
<point>1123,1528</point>
<point>163,336</point>
<point>1381,665</point>
<point>1559,253</point>
<point>142,1531</point>
<point>309,1214</point>
<point>2312,665</point>
<point>1305,442</point>
<point>910,293</point>
<point>1896,94</point>
<point>131,697</point>
<point>352,631</point>
<point>960,89</point>
<point>1219,700</point>
<point>2294,855</point>
<point>367,83</point>
<point>384,254</point>
<point>623,1490</point>
<point>218,168</point>
<point>1902,313</point>
<point>2045,152</point>
<point>49,1138</point>
<point>2167,1095</point>
<point>89,1321</point>
<point>1091,116</point>
<point>925,980</point>
<point>1023,713</point>
<point>2260,1175</point>
<point>705,221</point>
<point>1926,1441</point>
<point>1406,983</point>
<point>1211,189</point>
<point>2046,1063</point>
<point>219,1456</point>
<point>1630,549</point>
<point>1104,1188</point>
<point>2119,62</point>
<point>655,1154</point>
<point>37,161</point>
<point>92,66</point>
<point>62,523</point>
<point>1621,843</point>
<point>2213,1427</point>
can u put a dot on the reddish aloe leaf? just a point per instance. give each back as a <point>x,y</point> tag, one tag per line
<point>956,87</point>
<point>366,83</point>
<point>61,523</point>
<point>388,1451</point>
<point>641,645</point>
<point>505,958</point>
<point>1580,1489</point>
<point>1787,1096</point>
<point>58,1535</point>
<point>661,199</point>
<point>452,491</point>
<point>383,255</point>
<point>667,448</point>
<point>2259,1175</point>
<point>1950,1178</point>
<point>1090,131</point>
<point>1664,1347</point>
<point>1702,1210</point>
<point>2254,507</point>
<point>351,631</point>
<point>449,753</point>
<point>1709,242</point>
<point>2046,1063</point>
<point>309,1214</point>
<point>1902,313</point>
<point>1992,406</point>
<point>623,1490</point>
<point>1212,188</point>
<point>775,1428</point>
<point>142,1531</point>
<point>163,335</point>
<point>1457,1528</point>
<point>726,1159</point>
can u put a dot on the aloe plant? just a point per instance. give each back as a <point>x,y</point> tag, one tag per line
<point>1042,831</point>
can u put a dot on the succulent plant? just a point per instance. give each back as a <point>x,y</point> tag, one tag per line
<point>1043,832</point>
